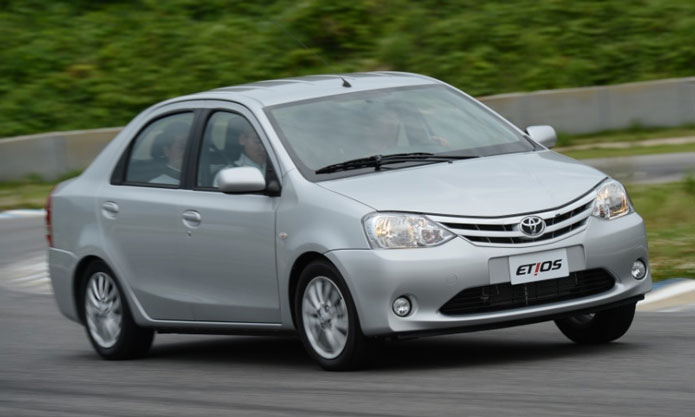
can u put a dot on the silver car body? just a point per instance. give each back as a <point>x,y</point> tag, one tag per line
<point>232,268</point>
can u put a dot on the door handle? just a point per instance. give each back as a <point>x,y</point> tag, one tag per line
<point>109,209</point>
<point>191,218</point>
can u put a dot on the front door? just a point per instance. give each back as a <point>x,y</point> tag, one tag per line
<point>229,249</point>
<point>229,256</point>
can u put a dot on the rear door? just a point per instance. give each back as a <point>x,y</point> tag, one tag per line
<point>188,251</point>
<point>141,215</point>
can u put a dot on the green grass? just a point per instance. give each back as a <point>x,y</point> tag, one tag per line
<point>30,192</point>
<point>631,151</point>
<point>633,134</point>
<point>667,210</point>
<point>23,194</point>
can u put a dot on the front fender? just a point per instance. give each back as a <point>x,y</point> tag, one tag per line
<point>313,219</point>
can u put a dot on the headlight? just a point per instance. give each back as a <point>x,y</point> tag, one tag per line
<point>400,231</point>
<point>611,201</point>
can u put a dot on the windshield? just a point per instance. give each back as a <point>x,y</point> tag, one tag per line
<point>431,119</point>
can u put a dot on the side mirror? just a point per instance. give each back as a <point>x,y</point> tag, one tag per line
<point>240,180</point>
<point>545,135</point>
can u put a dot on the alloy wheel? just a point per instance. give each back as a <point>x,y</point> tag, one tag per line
<point>325,317</point>
<point>104,311</point>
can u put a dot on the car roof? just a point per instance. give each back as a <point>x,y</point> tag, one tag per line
<point>272,92</point>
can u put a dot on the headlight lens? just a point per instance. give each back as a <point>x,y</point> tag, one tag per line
<point>611,201</point>
<point>401,231</point>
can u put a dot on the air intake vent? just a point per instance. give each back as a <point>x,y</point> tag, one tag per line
<point>500,297</point>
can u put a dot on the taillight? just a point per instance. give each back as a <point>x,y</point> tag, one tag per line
<point>49,230</point>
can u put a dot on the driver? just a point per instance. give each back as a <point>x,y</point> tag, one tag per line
<point>383,134</point>
<point>253,154</point>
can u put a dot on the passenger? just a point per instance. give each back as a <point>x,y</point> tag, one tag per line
<point>169,147</point>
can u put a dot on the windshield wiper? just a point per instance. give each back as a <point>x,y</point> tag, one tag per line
<point>376,161</point>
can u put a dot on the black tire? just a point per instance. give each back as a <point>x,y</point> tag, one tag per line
<point>132,341</point>
<point>355,352</point>
<point>597,328</point>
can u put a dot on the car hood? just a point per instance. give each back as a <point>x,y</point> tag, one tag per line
<point>487,187</point>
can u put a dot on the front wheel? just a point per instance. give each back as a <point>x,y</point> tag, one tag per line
<point>596,328</point>
<point>108,321</point>
<point>327,319</point>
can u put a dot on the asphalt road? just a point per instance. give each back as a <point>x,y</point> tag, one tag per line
<point>47,368</point>
<point>21,239</point>
<point>23,255</point>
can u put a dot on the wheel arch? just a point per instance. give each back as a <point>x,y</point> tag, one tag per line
<point>299,264</point>
<point>79,279</point>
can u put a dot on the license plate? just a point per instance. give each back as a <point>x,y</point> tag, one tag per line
<point>538,266</point>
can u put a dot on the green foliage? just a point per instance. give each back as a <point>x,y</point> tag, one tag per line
<point>689,185</point>
<point>86,64</point>
<point>30,191</point>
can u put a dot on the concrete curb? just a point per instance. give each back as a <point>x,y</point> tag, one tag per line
<point>669,295</point>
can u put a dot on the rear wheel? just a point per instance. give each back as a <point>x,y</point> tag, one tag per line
<point>596,328</point>
<point>108,321</point>
<point>327,319</point>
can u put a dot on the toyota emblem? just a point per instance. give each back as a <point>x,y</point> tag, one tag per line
<point>532,226</point>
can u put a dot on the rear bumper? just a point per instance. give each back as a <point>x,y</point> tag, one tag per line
<point>61,267</point>
<point>431,277</point>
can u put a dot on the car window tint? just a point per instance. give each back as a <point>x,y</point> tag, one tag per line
<point>157,154</point>
<point>229,141</point>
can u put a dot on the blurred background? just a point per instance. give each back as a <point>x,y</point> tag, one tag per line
<point>84,64</point>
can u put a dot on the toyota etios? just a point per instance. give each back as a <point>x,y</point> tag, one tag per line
<point>346,208</point>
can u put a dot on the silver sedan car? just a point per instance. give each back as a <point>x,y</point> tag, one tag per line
<point>348,209</point>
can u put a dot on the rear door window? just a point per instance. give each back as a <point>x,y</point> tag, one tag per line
<point>157,154</point>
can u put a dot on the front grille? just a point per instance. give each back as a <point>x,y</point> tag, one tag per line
<point>505,230</point>
<point>500,297</point>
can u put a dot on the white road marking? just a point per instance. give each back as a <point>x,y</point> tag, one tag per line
<point>680,309</point>
<point>29,275</point>
<point>669,291</point>
<point>16,214</point>
<point>672,297</point>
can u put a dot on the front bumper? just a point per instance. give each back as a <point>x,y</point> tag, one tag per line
<point>430,277</point>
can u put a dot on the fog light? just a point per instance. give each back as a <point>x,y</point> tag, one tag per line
<point>401,306</point>
<point>639,269</point>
